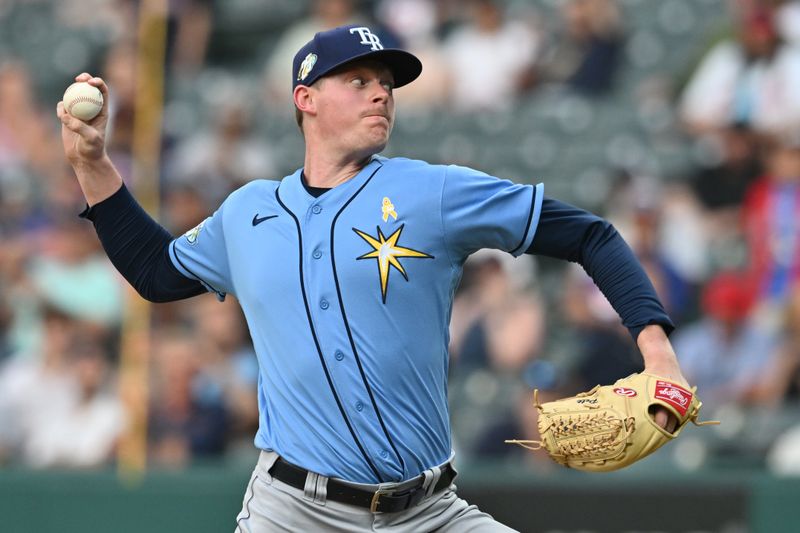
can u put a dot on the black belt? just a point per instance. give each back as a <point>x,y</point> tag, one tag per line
<point>382,500</point>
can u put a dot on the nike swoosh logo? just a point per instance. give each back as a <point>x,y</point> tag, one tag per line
<point>257,221</point>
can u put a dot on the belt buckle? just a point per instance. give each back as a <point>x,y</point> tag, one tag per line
<point>373,506</point>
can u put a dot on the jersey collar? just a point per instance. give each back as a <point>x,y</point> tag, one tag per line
<point>295,196</point>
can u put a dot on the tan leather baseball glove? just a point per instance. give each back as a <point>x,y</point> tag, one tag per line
<point>611,427</point>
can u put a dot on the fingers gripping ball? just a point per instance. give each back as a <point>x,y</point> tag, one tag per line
<point>83,101</point>
<point>611,427</point>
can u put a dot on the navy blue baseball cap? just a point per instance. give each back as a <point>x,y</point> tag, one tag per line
<point>333,48</point>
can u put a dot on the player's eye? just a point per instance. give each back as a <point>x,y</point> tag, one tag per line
<point>388,85</point>
<point>358,81</point>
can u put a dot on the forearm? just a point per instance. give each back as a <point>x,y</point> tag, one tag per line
<point>569,233</point>
<point>98,179</point>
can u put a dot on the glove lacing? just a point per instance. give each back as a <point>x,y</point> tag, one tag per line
<point>583,436</point>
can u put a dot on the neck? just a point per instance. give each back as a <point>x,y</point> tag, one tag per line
<point>321,170</point>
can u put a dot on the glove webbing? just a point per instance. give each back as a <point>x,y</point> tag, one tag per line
<point>572,440</point>
<point>567,432</point>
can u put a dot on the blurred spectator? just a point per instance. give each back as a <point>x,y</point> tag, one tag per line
<point>721,186</point>
<point>497,330</point>
<point>324,15</point>
<point>228,361</point>
<point>188,418</point>
<point>46,394</point>
<point>111,19</point>
<point>33,383</point>
<point>85,430</point>
<point>784,455</point>
<point>415,23</point>
<point>605,351</point>
<point>749,79</point>
<point>5,321</point>
<point>489,58</point>
<point>28,143</point>
<point>189,31</point>
<point>787,19</point>
<point>586,51</point>
<point>71,273</point>
<point>184,207</point>
<point>522,420</point>
<point>783,384</point>
<point>119,72</point>
<point>225,155</point>
<point>498,319</point>
<point>24,324</point>
<point>771,215</point>
<point>727,355</point>
<point>522,424</point>
<point>661,226</point>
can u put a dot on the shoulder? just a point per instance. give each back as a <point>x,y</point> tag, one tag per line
<point>410,167</point>
<point>417,166</point>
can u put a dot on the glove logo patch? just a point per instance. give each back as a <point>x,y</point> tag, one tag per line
<point>676,396</point>
<point>625,391</point>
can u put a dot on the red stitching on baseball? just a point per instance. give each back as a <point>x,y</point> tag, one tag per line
<point>80,99</point>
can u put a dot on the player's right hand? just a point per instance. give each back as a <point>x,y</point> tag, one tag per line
<point>85,142</point>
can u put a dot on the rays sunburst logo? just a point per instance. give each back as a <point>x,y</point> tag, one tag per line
<point>387,253</point>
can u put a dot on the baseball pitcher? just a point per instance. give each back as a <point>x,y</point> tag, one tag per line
<point>345,271</point>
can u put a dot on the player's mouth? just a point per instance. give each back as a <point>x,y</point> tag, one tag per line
<point>377,114</point>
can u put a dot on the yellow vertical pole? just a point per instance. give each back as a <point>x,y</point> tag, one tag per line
<point>135,341</point>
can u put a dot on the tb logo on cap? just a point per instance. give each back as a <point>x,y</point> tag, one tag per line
<point>368,38</point>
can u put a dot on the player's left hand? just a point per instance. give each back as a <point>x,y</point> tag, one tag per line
<point>611,426</point>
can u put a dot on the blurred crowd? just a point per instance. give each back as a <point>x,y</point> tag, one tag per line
<point>720,239</point>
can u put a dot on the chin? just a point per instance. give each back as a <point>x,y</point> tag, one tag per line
<point>378,142</point>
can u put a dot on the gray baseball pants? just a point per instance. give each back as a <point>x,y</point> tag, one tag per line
<point>271,505</point>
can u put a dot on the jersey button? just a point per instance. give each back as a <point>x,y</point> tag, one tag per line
<point>316,210</point>
<point>384,454</point>
<point>359,406</point>
<point>339,355</point>
<point>317,254</point>
<point>324,304</point>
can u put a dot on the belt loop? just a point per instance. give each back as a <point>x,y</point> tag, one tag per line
<point>266,460</point>
<point>321,495</point>
<point>432,477</point>
<point>316,488</point>
<point>310,489</point>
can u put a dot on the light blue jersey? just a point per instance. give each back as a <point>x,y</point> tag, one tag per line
<point>348,299</point>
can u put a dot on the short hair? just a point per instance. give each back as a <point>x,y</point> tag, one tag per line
<point>298,117</point>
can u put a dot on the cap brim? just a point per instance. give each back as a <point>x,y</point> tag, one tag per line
<point>404,65</point>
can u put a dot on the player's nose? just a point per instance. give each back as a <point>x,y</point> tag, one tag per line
<point>381,94</point>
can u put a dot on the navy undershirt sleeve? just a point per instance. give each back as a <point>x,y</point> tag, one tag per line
<point>138,247</point>
<point>567,232</point>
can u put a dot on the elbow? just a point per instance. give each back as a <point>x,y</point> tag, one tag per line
<point>148,294</point>
<point>146,289</point>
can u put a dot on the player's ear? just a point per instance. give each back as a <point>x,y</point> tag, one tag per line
<point>304,99</point>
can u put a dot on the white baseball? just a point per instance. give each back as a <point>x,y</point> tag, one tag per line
<point>83,101</point>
